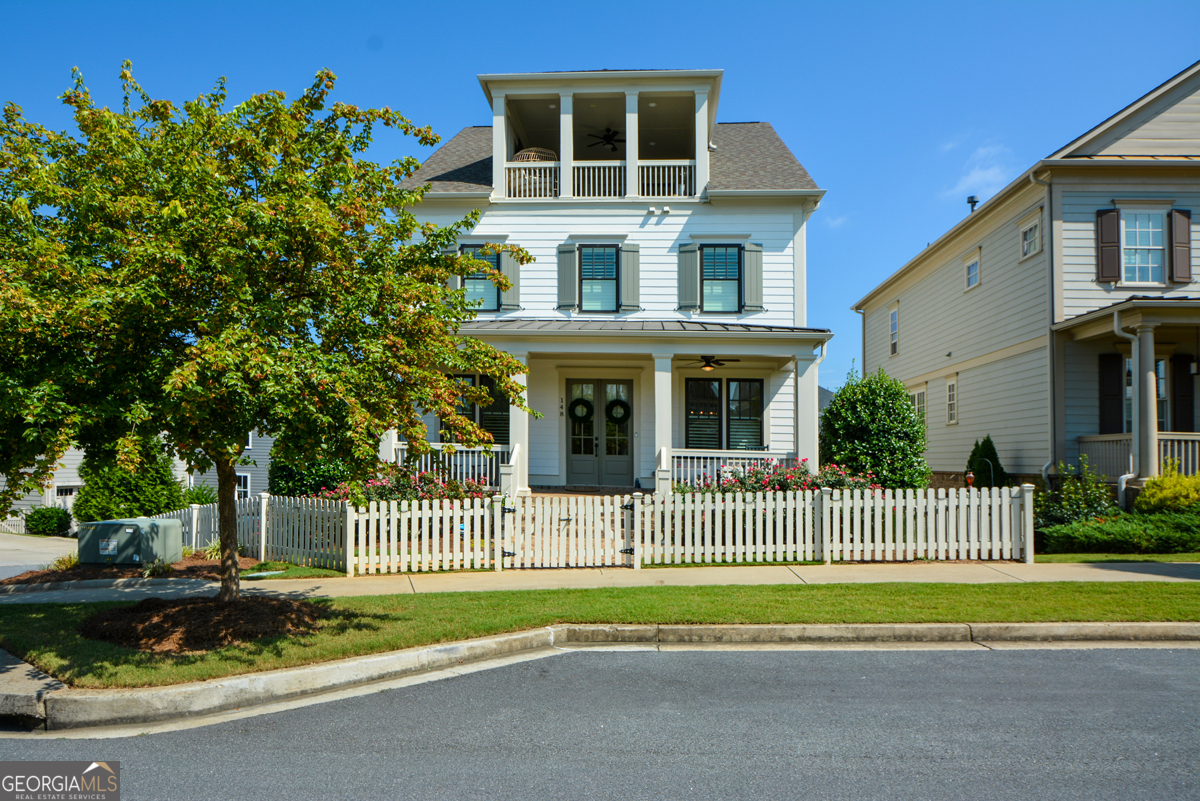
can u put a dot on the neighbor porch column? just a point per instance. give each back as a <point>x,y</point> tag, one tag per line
<point>518,430</point>
<point>701,142</point>
<point>566,146</point>
<point>663,426</point>
<point>499,145</point>
<point>631,145</point>
<point>1147,386</point>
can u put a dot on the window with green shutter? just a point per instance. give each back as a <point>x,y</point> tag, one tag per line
<point>479,287</point>
<point>598,266</point>
<point>721,278</point>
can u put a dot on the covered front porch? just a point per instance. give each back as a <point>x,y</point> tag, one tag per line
<point>1128,397</point>
<point>641,405</point>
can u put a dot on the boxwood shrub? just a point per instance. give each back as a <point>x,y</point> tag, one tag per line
<point>49,521</point>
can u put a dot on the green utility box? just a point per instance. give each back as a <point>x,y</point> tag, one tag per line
<point>137,541</point>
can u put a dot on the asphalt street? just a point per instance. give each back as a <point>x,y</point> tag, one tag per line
<point>19,553</point>
<point>1036,724</point>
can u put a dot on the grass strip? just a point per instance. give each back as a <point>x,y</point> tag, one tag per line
<point>46,635</point>
<point>291,571</point>
<point>1064,558</point>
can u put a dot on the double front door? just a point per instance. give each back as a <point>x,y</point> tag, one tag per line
<point>600,433</point>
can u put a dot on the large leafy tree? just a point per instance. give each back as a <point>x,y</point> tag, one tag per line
<point>198,272</point>
<point>870,425</point>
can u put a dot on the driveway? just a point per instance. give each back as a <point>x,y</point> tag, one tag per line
<point>19,553</point>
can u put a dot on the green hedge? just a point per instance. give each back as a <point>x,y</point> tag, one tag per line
<point>48,521</point>
<point>112,493</point>
<point>1162,532</point>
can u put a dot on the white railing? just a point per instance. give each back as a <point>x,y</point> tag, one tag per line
<point>667,178</point>
<point>1183,448</point>
<point>531,180</point>
<point>599,179</point>
<point>465,464</point>
<point>12,525</point>
<point>695,467</point>
<point>1109,455</point>
<point>632,530</point>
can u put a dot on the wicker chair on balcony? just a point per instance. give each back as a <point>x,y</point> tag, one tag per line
<point>536,183</point>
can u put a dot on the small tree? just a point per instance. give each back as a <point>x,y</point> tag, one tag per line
<point>111,491</point>
<point>984,462</point>
<point>871,426</point>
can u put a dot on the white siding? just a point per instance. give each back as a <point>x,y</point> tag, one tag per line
<point>780,390</point>
<point>546,435</point>
<point>1081,292</point>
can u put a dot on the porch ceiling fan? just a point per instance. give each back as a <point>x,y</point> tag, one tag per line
<point>609,137</point>
<point>711,362</point>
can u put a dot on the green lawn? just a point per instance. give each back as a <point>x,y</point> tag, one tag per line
<point>46,634</point>
<point>1059,558</point>
<point>291,571</point>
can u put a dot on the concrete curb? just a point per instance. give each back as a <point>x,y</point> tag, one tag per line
<point>98,584</point>
<point>68,708</point>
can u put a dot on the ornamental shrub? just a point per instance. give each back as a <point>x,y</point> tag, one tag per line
<point>1162,532</point>
<point>48,521</point>
<point>395,483</point>
<point>202,494</point>
<point>1170,492</point>
<point>306,480</point>
<point>777,477</point>
<point>871,427</point>
<point>110,492</point>
<point>984,462</point>
<point>1081,495</point>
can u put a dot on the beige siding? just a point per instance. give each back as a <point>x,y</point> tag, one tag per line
<point>1081,292</point>
<point>1169,127</point>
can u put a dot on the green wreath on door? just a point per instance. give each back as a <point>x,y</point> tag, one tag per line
<point>580,410</point>
<point>617,411</point>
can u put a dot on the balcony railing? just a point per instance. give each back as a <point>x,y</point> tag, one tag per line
<point>1111,455</point>
<point>531,180</point>
<point>472,464</point>
<point>600,179</point>
<point>667,178</point>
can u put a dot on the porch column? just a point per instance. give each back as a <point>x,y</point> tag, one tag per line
<point>1147,387</point>
<point>701,143</point>
<point>631,145</point>
<point>499,145</point>
<point>662,422</point>
<point>518,431</point>
<point>566,146</point>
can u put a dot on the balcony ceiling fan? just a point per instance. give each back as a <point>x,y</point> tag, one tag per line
<point>711,362</point>
<point>609,137</point>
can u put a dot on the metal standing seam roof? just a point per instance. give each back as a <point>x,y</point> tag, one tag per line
<point>749,156</point>
<point>548,326</point>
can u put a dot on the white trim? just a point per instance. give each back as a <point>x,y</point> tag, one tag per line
<point>479,239</point>
<point>601,238</point>
<point>238,488</point>
<point>953,400</point>
<point>893,343</point>
<point>1147,207</point>
<point>719,237</point>
<point>975,257</point>
<point>1029,221</point>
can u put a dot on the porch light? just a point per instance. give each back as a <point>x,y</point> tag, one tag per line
<point>652,105</point>
<point>708,368</point>
<point>553,105</point>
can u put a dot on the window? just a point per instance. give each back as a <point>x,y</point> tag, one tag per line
<point>492,418</point>
<point>917,399</point>
<point>250,440</point>
<point>972,273</point>
<point>952,400</point>
<point>721,278</point>
<point>745,414</point>
<point>479,287</point>
<point>598,266</point>
<point>732,418</point>
<point>1160,394</point>
<point>1030,239</point>
<point>1142,248</point>
<point>894,326</point>
<point>243,485</point>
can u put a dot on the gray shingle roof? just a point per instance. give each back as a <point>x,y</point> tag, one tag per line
<point>749,156</point>
<point>536,325</point>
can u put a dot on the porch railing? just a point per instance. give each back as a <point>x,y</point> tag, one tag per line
<point>473,464</point>
<point>600,179</point>
<point>667,178</point>
<point>531,180</point>
<point>698,467</point>
<point>1111,455</point>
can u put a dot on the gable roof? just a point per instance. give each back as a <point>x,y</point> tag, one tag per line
<point>1163,122</point>
<point>749,157</point>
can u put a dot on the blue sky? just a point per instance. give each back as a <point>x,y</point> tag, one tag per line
<point>899,111</point>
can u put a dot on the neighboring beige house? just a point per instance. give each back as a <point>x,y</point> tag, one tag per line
<point>1062,317</point>
<point>664,317</point>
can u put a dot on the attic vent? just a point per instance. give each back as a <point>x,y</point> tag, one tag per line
<point>535,154</point>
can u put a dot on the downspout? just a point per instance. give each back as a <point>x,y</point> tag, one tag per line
<point>1050,350</point>
<point>1133,460</point>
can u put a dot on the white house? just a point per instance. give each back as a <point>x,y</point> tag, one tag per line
<point>664,320</point>
<point>1062,317</point>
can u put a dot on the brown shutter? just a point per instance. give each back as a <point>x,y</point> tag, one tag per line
<point>1181,247</point>
<point>1108,245</point>
<point>1183,391</point>
<point>1112,393</point>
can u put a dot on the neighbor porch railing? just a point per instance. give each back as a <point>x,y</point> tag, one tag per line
<point>473,464</point>
<point>699,467</point>
<point>531,180</point>
<point>667,178</point>
<point>1111,455</point>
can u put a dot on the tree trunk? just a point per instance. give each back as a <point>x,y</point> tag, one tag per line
<point>227,526</point>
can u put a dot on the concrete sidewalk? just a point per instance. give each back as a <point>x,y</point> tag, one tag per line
<point>482,581</point>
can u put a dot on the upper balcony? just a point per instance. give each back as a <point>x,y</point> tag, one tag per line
<point>604,135</point>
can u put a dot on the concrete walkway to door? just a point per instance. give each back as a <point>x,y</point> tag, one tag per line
<point>482,581</point>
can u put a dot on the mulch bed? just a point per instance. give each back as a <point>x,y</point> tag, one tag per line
<point>184,625</point>
<point>193,567</point>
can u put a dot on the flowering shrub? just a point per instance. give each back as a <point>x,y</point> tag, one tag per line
<point>400,485</point>
<point>772,476</point>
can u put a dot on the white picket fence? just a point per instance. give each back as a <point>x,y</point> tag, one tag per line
<point>632,530</point>
<point>12,525</point>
